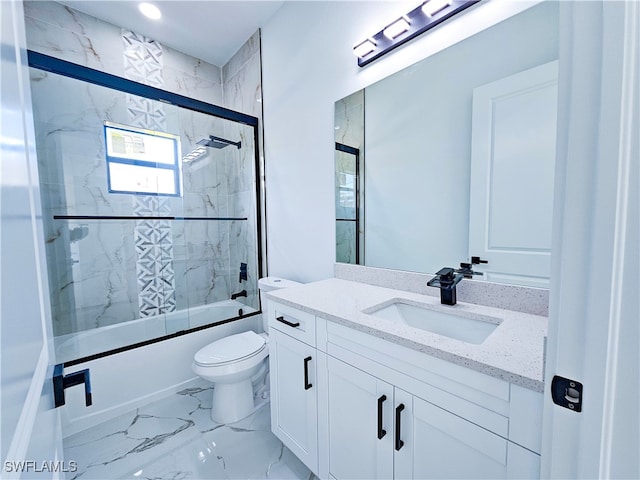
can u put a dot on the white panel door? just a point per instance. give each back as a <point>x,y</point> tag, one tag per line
<point>512,176</point>
<point>360,424</point>
<point>30,437</point>
<point>294,402</point>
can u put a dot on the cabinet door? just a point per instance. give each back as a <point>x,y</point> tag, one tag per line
<point>293,396</point>
<point>360,424</point>
<point>439,444</point>
<point>522,463</point>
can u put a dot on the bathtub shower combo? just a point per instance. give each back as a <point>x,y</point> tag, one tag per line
<point>151,209</point>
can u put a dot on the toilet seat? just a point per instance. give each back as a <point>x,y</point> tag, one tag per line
<point>231,349</point>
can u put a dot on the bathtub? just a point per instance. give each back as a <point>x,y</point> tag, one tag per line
<point>90,342</point>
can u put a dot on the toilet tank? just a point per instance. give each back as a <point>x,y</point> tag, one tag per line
<point>269,284</point>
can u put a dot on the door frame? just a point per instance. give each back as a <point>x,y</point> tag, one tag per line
<point>35,446</point>
<point>595,279</point>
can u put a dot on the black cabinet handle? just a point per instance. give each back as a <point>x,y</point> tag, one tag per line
<point>381,431</point>
<point>307,385</point>
<point>282,320</point>
<point>399,443</point>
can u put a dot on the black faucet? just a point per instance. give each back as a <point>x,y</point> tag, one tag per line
<point>241,293</point>
<point>446,280</point>
<point>466,269</point>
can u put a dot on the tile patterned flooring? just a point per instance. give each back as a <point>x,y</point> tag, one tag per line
<point>175,439</point>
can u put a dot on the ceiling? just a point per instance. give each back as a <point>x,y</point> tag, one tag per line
<point>210,30</point>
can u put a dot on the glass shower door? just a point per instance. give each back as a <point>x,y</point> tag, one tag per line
<point>150,215</point>
<point>347,204</point>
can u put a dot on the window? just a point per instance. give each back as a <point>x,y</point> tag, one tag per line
<point>142,161</point>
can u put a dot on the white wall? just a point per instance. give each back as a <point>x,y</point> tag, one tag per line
<point>308,64</point>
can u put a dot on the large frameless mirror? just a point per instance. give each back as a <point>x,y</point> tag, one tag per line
<point>456,157</point>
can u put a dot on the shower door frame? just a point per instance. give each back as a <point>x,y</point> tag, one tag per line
<point>89,75</point>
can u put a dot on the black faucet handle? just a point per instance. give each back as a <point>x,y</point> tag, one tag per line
<point>446,273</point>
<point>466,269</point>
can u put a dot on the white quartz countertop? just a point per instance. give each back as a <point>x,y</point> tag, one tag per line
<point>513,352</point>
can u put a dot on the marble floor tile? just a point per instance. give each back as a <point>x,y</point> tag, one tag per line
<point>175,439</point>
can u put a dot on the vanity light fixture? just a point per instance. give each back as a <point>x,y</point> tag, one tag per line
<point>149,10</point>
<point>417,21</point>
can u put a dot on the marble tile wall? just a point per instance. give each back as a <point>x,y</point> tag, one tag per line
<point>242,90</point>
<point>62,32</point>
<point>92,281</point>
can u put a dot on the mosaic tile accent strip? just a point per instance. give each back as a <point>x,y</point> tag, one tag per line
<point>146,113</point>
<point>153,238</point>
<point>142,59</point>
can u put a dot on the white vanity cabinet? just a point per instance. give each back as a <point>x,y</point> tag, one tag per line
<point>292,370</point>
<point>378,431</point>
<point>385,411</point>
<point>394,412</point>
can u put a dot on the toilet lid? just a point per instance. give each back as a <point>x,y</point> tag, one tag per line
<point>230,349</point>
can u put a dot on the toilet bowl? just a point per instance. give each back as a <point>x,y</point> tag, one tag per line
<point>231,363</point>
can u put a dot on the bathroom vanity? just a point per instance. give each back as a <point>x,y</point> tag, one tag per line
<point>362,387</point>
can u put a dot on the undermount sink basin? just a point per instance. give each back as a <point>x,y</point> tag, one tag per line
<point>434,320</point>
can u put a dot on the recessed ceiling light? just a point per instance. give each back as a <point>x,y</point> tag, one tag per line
<point>150,11</point>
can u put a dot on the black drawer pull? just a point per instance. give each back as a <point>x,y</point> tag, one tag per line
<point>399,443</point>
<point>307,385</point>
<point>282,320</point>
<point>381,431</point>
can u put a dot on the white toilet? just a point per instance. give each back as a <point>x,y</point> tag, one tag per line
<point>232,362</point>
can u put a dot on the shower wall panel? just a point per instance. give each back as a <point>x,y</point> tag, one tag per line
<point>242,87</point>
